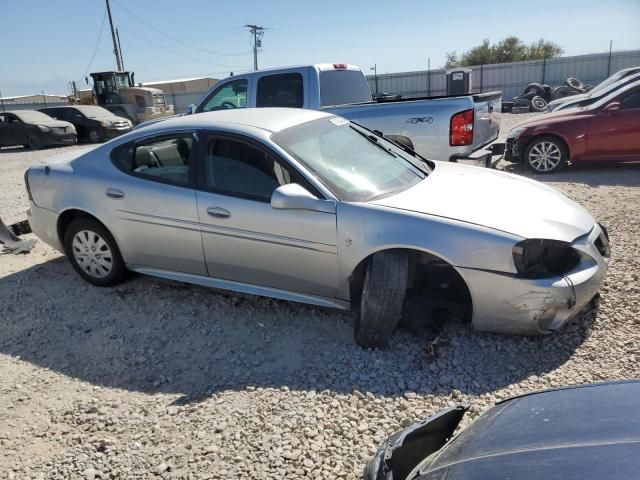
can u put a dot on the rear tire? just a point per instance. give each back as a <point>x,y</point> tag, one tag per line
<point>383,292</point>
<point>536,88</point>
<point>93,253</point>
<point>545,155</point>
<point>95,136</point>
<point>33,142</point>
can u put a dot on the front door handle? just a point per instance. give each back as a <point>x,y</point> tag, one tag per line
<point>114,193</point>
<point>218,212</point>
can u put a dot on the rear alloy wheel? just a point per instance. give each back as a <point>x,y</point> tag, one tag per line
<point>93,253</point>
<point>33,142</point>
<point>95,136</point>
<point>383,292</point>
<point>545,155</point>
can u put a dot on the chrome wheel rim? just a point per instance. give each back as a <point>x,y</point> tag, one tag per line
<point>92,254</point>
<point>94,136</point>
<point>545,156</point>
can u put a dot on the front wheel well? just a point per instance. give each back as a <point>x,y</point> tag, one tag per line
<point>433,284</point>
<point>545,135</point>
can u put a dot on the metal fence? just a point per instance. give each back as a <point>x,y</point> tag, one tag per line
<point>510,78</point>
<point>30,106</point>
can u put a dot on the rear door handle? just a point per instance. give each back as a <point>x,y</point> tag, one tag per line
<point>114,193</point>
<point>218,212</point>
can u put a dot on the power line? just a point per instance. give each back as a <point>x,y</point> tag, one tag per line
<point>171,37</point>
<point>257,33</point>
<point>177,53</point>
<point>95,50</point>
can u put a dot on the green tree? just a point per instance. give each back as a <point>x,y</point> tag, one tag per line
<point>511,49</point>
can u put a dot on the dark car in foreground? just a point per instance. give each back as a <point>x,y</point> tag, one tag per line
<point>34,130</point>
<point>586,432</point>
<point>608,130</point>
<point>93,123</point>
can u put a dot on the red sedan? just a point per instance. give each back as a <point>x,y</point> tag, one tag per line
<point>607,130</point>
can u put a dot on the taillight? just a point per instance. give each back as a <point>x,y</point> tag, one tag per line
<point>340,66</point>
<point>26,183</point>
<point>461,131</point>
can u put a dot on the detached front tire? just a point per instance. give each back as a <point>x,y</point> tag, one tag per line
<point>383,292</point>
<point>93,253</point>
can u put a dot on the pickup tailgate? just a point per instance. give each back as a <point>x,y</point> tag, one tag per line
<point>487,112</point>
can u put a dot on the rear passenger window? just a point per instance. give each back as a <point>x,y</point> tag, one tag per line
<point>282,90</point>
<point>165,159</point>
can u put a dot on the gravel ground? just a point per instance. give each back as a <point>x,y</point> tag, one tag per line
<point>156,379</point>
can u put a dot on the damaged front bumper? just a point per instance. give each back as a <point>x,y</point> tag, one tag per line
<point>508,304</point>
<point>402,452</point>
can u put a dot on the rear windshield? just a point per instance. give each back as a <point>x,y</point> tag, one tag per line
<point>338,87</point>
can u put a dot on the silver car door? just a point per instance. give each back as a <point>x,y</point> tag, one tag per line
<point>244,238</point>
<point>153,204</point>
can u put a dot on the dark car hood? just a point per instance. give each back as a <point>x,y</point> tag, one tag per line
<point>588,432</point>
<point>52,123</point>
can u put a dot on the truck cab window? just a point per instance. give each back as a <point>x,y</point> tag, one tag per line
<point>282,90</point>
<point>230,95</point>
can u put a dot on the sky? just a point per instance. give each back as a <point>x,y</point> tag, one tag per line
<point>48,43</point>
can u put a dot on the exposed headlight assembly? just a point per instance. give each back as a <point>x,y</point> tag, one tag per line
<point>539,258</point>
<point>44,128</point>
<point>516,132</point>
<point>106,124</point>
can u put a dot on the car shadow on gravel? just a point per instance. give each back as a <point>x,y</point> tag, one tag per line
<point>154,336</point>
<point>594,174</point>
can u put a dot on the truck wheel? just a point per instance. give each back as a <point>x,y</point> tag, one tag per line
<point>383,291</point>
<point>33,142</point>
<point>95,136</point>
<point>536,88</point>
<point>545,155</point>
<point>93,253</point>
<point>538,104</point>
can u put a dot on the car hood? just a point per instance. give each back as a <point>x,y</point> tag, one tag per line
<point>109,118</point>
<point>496,200</point>
<point>54,123</point>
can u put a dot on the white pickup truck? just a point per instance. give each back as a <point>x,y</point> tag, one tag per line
<point>449,128</point>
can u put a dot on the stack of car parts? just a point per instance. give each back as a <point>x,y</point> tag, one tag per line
<point>536,96</point>
<point>10,241</point>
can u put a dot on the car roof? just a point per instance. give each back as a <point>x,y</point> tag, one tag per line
<point>269,119</point>
<point>585,432</point>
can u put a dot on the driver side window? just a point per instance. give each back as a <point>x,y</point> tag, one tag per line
<point>230,95</point>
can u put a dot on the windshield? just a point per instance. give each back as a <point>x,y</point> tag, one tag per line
<point>352,162</point>
<point>613,95</point>
<point>338,87</point>
<point>95,112</point>
<point>29,116</point>
<point>611,80</point>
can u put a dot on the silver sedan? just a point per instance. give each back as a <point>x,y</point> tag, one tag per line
<point>309,207</point>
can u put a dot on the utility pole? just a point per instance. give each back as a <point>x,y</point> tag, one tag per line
<point>120,48</point>
<point>609,62</point>
<point>375,75</point>
<point>257,33</point>
<point>116,52</point>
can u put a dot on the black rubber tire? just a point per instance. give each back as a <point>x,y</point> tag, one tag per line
<point>574,84</point>
<point>522,102</point>
<point>561,92</point>
<point>95,136</point>
<point>537,88</point>
<point>33,142</point>
<point>383,292</point>
<point>564,154</point>
<point>538,104</point>
<point>118,271</point>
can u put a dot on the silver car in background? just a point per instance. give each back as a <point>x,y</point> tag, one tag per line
<point>306,206</point>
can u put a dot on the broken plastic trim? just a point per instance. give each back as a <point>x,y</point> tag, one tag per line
<point>403,451</point>
<point>10,240</point>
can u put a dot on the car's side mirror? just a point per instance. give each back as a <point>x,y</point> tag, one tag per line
<point>191,109</point>
<point>612,107</point>
<point>295,197</point>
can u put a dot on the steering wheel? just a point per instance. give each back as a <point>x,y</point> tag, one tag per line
<point>227,104</point>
